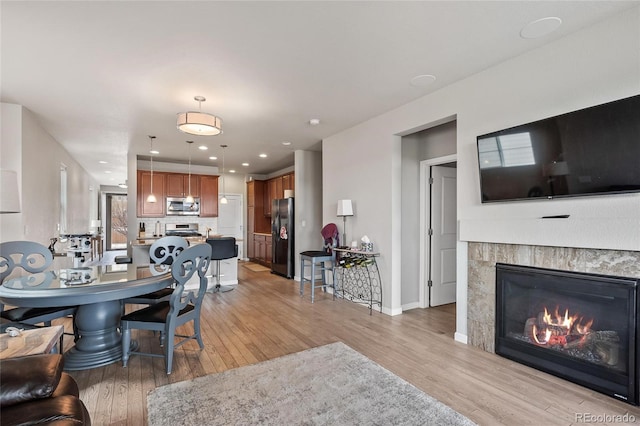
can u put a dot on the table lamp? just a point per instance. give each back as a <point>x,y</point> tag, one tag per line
<point>345,208</point>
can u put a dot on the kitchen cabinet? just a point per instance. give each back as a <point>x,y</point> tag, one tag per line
<point>260,248</point>
<point>288,182</point>
<point>268,248</point>
<point>256,220</point>
<point>250,230</point>
<point>208,191</point>
<point>275,190</point>
<point>144,208</point>
<point>177,185</point>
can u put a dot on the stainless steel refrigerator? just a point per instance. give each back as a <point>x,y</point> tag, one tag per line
<point>282,250</point>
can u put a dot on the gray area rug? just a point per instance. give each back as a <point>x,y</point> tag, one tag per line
<point>328,385</point>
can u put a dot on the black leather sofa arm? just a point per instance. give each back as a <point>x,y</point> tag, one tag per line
<point>29,377</point>
<point>34,391</point>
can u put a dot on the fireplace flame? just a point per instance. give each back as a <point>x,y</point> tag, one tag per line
<point>560,329</point>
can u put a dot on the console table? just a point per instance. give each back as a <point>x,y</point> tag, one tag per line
<point>358,277</point>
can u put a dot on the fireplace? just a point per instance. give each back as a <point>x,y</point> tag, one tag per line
<point>578,326</point>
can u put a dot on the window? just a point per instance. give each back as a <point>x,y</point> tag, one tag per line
<point>506,151</point>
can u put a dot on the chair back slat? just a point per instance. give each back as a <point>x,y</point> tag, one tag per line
<point>163,253</point>
<point>32,257</point>
<point>193,260</point>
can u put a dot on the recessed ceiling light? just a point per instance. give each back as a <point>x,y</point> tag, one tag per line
<point>422,80</point>
<point>203,148</point>
<point>102,162</point>
<point>232,171</point>
<point>314,121</point>
<point>213,158</point>
<point>245,164</point>
<point>107,171</point>
<point>263,156</point>
<point>540,27</point>
<point>154,151</point>
<point>285,143</point>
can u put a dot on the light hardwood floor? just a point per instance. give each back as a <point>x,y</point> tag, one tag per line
<point>266,318</point>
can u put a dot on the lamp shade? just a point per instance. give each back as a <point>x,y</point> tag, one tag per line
<point>95,223</point>
<point>199,123</point>
<point>345,208</point>
<point>9,196</point>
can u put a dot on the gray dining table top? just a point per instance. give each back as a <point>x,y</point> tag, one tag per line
<point>79,286</point>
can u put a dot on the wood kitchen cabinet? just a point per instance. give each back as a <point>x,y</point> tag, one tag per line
<point>268,248</point>
<point>275,190</point>
<point>256,221</point>
<point>178,185</point>
<point>144,208</point>
<point>208,191</point>
<point>288,182</point>
<point>262,249</point>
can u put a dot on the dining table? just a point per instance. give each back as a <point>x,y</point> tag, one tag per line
<point>97,292</point>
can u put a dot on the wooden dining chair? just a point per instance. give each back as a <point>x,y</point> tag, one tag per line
<point>183,307</point>
<point>32,257</point>
<point>162,254</point>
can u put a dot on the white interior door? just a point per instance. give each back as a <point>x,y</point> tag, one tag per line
<point>442,288</point>
<point>230,220</point>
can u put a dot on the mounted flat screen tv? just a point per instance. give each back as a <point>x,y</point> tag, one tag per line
<point>592,151</point>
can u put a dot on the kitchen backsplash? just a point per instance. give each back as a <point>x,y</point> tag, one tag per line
<point>203,223</point>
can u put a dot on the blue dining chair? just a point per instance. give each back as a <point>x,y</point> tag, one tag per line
<point>32,257</point>
<point>183,307</point>
<point>162,254</point>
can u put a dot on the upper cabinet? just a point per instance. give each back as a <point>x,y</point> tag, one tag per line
<point>145,208</point>
<point>178,185</point>
<point>208,195</point>
<point>275,188</point>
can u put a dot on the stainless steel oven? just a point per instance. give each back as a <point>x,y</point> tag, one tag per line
<point>181,207</point>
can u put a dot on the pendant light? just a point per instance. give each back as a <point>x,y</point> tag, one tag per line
<point>189,198</point>
<point>151,198</point>
<point>223,200</point>
<point>199,123</point>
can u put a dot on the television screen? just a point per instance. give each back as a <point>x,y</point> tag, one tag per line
<point>591,151</point>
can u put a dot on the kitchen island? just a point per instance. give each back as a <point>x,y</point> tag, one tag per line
<point>228,267</point>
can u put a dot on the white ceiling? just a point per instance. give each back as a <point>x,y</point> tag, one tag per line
<point>102,76</point>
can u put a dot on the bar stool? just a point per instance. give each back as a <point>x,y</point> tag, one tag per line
<point>221,248</point>
<point>317,259</point>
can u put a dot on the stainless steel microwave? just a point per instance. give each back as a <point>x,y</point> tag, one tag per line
<point>180,207</point>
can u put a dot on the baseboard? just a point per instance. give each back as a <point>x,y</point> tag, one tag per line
<point>459,337</point>
<point>409,306</point>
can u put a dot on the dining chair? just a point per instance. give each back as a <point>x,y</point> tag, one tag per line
<point>32,257</point>
<point>162,254</point>
<point>324,260</point>
<point>183,307</point>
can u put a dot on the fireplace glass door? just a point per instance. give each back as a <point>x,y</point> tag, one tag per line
<point>582,327</point>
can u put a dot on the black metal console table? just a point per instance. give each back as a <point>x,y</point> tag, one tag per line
<point>358,277</point>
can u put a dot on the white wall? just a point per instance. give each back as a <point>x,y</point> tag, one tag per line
<point>39,157</point>
<point>307,203</point>
<point>11,159</point>
<point>598,64</point>
<point>435,142</point>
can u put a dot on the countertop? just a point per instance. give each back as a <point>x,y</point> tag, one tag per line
<point>147,241</point>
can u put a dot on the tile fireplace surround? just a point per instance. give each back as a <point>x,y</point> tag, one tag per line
<point>482,276</point>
